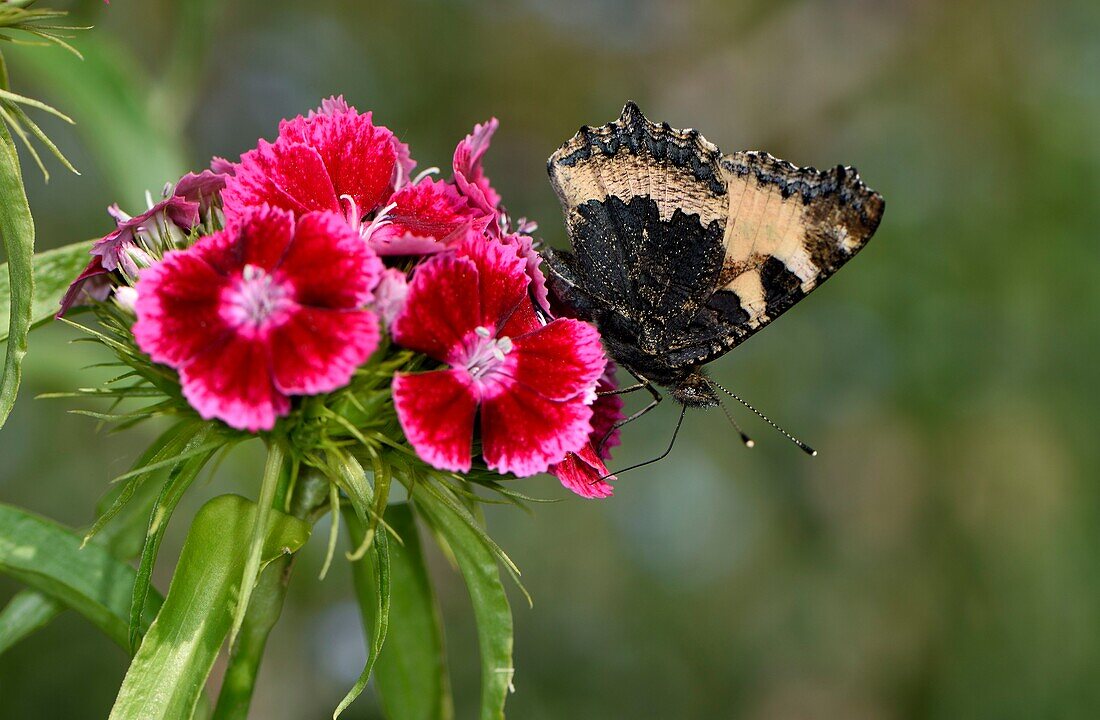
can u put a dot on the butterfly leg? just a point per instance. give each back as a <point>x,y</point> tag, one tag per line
<point>625,390</point>
<point>643,384</point>
<point>662,456</point>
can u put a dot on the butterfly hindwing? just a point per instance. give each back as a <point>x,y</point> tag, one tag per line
<point>789,229</point>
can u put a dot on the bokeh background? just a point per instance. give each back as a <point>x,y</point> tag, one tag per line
<point>940,559</point>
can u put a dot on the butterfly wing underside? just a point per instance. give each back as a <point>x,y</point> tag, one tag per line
<point>684,252</point>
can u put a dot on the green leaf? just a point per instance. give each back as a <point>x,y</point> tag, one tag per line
<point>170,669</point>
<point>478,565</point>
<point>179,479</point>
<point>411,671</point>
<point>352,479</point>
<point>17,235</point>
<point>109,93</point>
<point>30,611</point>
<point>54,270</point>
<point>26,613</point>
<point>370,571</point>
<point>48,558</point>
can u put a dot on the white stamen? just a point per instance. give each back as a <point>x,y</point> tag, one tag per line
<point>380,220</point>
<point>486,353</point>
<point>353,215</point>
<point>425,173</point>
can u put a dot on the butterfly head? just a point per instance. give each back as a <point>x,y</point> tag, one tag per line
<point>694,390</point>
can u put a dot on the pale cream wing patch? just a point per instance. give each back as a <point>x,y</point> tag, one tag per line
<point>789,229</point>
<point>633,157</point>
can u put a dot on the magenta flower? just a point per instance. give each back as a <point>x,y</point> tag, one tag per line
<point>469,175</point>
<point>423,217</point>
<point>134,237</point>
<point>253,314</point>
<point>92,283</point>
<point>334,160</point>
<point>532,384</point>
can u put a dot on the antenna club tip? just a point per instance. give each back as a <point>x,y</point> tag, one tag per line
<point>810,451</point>
<point>749,442</point>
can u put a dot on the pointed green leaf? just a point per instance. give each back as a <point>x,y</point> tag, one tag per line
<point>53,271</point>
<point>179,479</point>
<point>373,586</point>
<point>478,565</point>
<point>48,558</point>
<point>411,671</point>
<point>17,236</point>
<point>26,613</point>
<point>170,668</point>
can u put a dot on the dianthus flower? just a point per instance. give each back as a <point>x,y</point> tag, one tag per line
<point>336,159</point>
<point>138,239</point>
<point>135,242</point>
<point>533,384</point>
<point>269,308</point>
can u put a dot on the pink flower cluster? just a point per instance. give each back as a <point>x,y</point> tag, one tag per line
<point>328,241</point>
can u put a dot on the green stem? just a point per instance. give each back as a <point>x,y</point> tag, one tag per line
<point>264,610</point>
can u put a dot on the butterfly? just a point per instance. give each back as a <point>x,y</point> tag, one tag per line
<point>680,253</point>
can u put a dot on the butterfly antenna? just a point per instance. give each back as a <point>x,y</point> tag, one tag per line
<point>662,456</point>
<point>749,442</point>
<point>805,448</point>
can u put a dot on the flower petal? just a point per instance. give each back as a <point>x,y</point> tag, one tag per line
<point>584,473</point>
<point>231,381</point>
<point>436,410</point>
<point>332,105</point>
<point>260,237</point>
<point>358,155</point>
<point>178,307</point>
<point>286,175</point>
<point>114,246</point>
<point>92,282</point>
<point>606,411</point>
<point>317,350</point>
<point>525,248</point>
<point>561,360</point>
<point>329,264</point>
<point>390,294</point>
<point>403,164</point>
<point>428,209</point>
<point>441,309</point>
<point>502,279</point>
<point>469,175</point>
<point>522,432</point>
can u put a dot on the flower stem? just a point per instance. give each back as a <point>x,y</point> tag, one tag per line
<point>264,610</point>
<point>244,665</point>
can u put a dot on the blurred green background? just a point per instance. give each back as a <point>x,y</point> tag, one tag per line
<point>940,559</point>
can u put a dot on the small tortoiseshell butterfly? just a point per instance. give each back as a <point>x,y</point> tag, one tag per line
<point>681,253</point>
